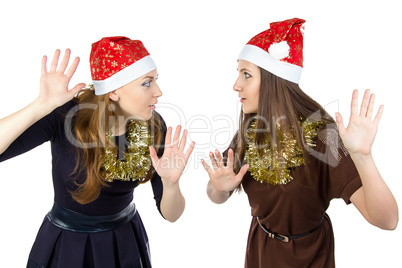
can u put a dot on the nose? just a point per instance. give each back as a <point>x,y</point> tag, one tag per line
<point>236,86</point>
<point>157,92</point>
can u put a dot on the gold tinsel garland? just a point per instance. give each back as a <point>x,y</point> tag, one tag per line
<point>137,161</point>
<point>265,168</point>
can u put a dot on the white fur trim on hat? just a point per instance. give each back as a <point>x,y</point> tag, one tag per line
<point>264,60</point>
<point>124,76</point>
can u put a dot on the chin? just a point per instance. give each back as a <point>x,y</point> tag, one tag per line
<point>147,116</point>
<point>248,111</point>
<point>141,117</point>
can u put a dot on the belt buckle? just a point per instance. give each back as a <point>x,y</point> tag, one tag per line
<point>279,237</point>
<point>283,238</point>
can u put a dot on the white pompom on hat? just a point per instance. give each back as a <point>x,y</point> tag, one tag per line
<point>278,50</point>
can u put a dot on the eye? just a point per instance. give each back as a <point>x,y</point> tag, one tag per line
<point>147,83</point>
<point>247,75</point>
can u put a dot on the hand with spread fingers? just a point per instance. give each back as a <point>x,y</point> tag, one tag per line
<point>54,90</point>
<point>174,160</point>
<point>223,180</point>
<point>170,168</point>
<point>358,137</point>
<point>374,199</point>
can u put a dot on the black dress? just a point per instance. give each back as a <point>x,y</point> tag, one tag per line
<point>125,246</point>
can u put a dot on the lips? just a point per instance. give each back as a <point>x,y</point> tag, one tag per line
<point>152,106</point>
<point>242,100</point>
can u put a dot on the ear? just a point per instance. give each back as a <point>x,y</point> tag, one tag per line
<point>113,95</point>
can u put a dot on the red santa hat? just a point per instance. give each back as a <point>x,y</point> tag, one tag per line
<point>278,50</point>
<point>116,61</point>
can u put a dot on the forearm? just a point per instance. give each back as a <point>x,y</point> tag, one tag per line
<point>173,202</point>
<point>12,126</point>
<point>381,206</point>
<point>216,196</point>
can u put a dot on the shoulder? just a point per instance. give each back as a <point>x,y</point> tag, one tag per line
<point>158,122</point>
<point>159,117</point>
<point>57,117</point>
<point>329,147</point>
<point>68,109</point>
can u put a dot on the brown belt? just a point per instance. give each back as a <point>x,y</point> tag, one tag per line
<point>287,238</point>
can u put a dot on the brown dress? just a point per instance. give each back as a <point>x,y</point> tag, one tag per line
<point>298,207</point>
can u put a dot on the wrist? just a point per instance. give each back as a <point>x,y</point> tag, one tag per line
<point>218,191</point>
<point>361,157</point>
<point>41,108</point>
<point>169,183</point>
<point>216,196</point>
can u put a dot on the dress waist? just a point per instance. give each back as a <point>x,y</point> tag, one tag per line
<point>76,222</point>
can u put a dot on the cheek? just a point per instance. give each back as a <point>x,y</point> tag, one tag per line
<point>130,104</point>
<point>139,102</point>
<point>256,92</point>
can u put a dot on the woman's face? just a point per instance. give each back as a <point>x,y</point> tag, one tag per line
<point>248,86</point>
<point>137,99</point>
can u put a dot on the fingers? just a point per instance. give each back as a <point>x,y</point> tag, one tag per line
<point>178,143</point>
<point>176,137</point>
<point>73,67</point>
<point>355,101</point>
<point>219,158</point>
<point>168,138</point>
<point>230,159</point>
<point>63,64</point>
<point>189,150</point>
<point>379,114</point>
<point>76,89</point>
<point>206,167</point>
<point>371,106</point>
<point>43,65</point>
<point>242,172</point>
<point>365,103</point>
<point>64,61</point>
<point>367,106</point>
<point>152,151</point>
<point>213,160</point>
<point>183,141</point>
<point>55,60</point>
<point>339,122</point>
<point>153,155</point>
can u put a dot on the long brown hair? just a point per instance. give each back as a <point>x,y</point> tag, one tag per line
<point>279,101</point>
<point>91,124</point>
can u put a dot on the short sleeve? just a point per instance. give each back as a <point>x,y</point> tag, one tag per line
<point>341,178</point>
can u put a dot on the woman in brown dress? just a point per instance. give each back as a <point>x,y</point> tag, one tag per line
<point>292,158</point>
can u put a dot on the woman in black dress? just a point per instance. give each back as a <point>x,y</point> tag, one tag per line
<point>105,139</point>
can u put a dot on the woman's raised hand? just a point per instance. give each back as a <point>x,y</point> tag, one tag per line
<point>358,137</point>
<point>174,160</point>
<point>222,176</point>
<point>54,90</point>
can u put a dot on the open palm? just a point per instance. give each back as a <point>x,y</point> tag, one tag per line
<point>54,83</point>
<point>222,176</point>
<point>174,160</point>
<point>359,135</point>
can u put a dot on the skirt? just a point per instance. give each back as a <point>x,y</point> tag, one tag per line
<point>125,246</point>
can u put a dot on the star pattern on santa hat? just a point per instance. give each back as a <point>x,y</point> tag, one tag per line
<point>111,55</point>
<point>289,31</point>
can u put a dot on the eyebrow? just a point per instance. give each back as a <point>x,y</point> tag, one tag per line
<point>245,69</point>
<point>150,77</point>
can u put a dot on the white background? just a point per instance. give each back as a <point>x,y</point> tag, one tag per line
<point>348,45</point>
